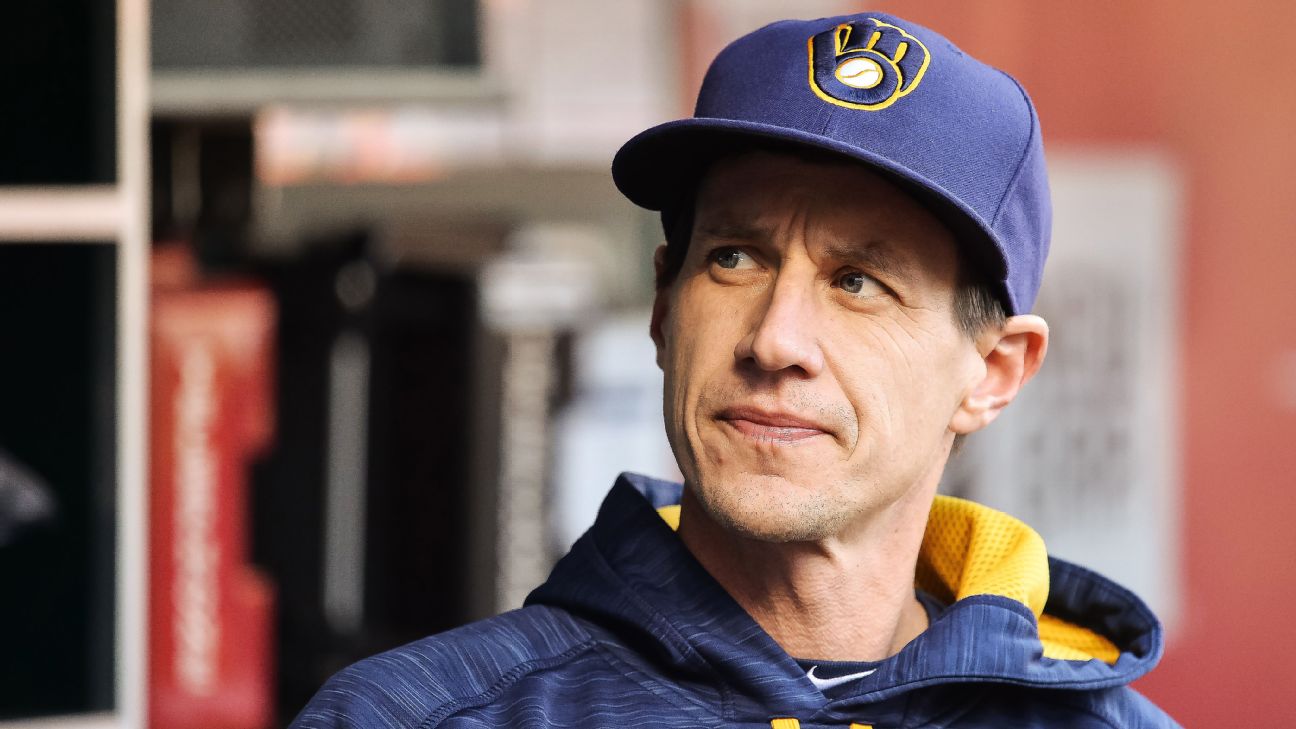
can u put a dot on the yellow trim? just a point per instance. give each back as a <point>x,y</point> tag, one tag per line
<point>841,36</point>
<point>785,724</point>
<point>1065,641</point>
<point>970,549</point>
<point>857,725</point>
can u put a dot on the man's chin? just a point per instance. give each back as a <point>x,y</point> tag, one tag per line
<point>770,509</point>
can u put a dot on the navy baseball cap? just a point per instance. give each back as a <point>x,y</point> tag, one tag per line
<point>959,135</point>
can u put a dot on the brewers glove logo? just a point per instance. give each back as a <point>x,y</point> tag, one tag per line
<point>866,65</point>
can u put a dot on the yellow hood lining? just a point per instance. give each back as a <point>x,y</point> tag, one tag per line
<point>970,549</point>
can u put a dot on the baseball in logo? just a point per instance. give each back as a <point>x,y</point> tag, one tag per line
<point>866,65</point>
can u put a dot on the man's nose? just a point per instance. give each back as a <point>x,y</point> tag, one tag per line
<point>786,335</point>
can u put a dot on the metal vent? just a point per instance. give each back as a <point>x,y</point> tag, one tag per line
<point>300,30</point>
<point>270,34</point>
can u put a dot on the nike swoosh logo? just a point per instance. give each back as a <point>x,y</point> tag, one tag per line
<point>827,683</point>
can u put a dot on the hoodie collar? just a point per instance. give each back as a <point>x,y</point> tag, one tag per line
<point>631,575</point>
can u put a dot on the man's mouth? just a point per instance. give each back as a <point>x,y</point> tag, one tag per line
<point>771,426</point>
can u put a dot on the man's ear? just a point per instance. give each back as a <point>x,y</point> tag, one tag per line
<point>1012,356</point>
<point>661,304</point>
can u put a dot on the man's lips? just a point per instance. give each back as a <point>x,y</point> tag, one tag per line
<point>767,425</point>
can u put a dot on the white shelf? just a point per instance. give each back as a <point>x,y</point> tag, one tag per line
<point>57,214</point>
<point>132,362</point>
<point>244,91</point>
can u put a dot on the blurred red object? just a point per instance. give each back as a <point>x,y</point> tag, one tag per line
<point>210,612</point>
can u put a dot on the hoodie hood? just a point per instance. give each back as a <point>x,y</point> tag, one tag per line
<point>1014,616</point>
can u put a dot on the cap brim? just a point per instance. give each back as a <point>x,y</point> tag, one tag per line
<point>658,166</point>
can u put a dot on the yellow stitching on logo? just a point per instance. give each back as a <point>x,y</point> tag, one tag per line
<point>841,36</point>
<point>913,84</point>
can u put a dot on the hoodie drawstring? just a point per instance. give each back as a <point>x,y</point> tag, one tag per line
<point>796,724</point>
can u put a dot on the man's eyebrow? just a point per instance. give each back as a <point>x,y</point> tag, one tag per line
<point>726,228</point>
<point>875,255</point>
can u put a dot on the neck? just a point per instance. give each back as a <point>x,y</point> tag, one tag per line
<point>849,597</point>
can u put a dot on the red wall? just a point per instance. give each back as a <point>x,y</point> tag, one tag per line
<point>1215,86</point>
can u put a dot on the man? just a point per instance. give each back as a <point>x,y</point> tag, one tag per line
<point>857,218</point>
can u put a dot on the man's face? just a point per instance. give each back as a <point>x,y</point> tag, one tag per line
<point>812,362</point>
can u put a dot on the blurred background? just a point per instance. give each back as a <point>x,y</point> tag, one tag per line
<point>324,328</point>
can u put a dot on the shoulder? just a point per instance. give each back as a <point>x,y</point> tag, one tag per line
<point>417,684</point>
<point>1120,706</point>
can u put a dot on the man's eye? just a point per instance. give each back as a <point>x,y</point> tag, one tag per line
<point>854,282</point>
<point>731,258</point>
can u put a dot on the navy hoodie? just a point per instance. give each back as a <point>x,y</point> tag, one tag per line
<point>631,631</point>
